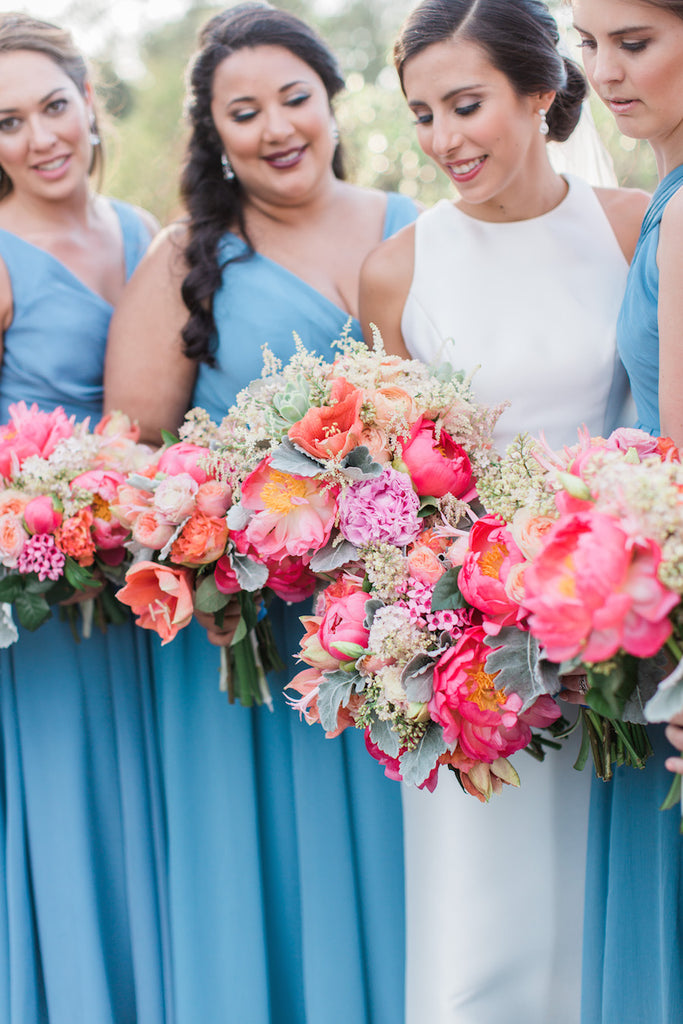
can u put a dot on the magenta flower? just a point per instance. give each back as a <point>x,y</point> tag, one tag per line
<point>41,555</point>
<point>437,465</point>
<point>380,510</point>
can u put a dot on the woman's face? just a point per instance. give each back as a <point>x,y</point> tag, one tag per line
<point>471,122</point>
<point>44,127</point>
<point>273,117</point>
<point>633,55</point>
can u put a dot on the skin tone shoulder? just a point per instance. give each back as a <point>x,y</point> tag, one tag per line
<point>485,137</point>
<point>46,152</point>
<point>272,114</point>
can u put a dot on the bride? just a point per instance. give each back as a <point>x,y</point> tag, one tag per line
<point>524,274</point>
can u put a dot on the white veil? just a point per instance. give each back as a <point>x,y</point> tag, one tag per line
<point>584,153</point>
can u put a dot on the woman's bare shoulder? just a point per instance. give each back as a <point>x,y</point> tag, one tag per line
<point>625,209</point>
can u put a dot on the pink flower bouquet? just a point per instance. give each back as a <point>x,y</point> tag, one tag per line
<point>58,537</point>
<point>588,576</point>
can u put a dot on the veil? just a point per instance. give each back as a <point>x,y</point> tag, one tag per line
<point>584,153</point>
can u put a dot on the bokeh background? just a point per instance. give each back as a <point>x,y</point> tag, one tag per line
<point>139,50</point>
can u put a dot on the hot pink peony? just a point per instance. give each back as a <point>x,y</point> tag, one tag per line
<point>593,590</point>
<point>486,566</point>
<point>183,458</point>
<point>380,510</point>
<point>437,465</point>
<point>225,577</point>
<point>294,515</point>
<point>31,432</point>
<point>160,596</point>
<point>40,515</point>
<point>343,619</point>
<point>291,579</point>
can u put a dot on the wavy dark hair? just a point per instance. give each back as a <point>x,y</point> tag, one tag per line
<point>22,32</point>
<point>674,7</point>
<point>520,38</point>
<point>213,204</point>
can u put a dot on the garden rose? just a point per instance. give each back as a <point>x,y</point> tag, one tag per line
<point>593,590</point>
<point>151,530</point>
<point>437,465</point>
<point>529,532</point>
<point>13,501</point>
<point>117,425</point>
<point>331,431</point>
<point>424,565</point>
<point>160,596</point>
<point>175,496</point>
<point>380,510</point>
<point>202,540</point>
<point>213,498</point>
<point>183,457</point>
<point>13,536</point>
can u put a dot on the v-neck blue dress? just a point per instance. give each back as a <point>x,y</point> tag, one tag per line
<point>81,834</point>
<point>633,929</point>
<point>285,849</point>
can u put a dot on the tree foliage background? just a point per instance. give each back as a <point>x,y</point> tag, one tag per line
<point>146,132</point>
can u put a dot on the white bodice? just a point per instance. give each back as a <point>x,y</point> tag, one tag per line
<point>533,303</point>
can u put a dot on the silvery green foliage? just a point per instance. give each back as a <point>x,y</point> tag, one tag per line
<point>650,671</point>
<point>335,691</point>
<point>668,700</point>
<point>418,677</point>
<point>142,483</point>
<point>290,459</point>
<point>418,763</point>
<point>359,463</point>
<point>238,517</point>
<point>384,736</point>
<point>250,575</point>
<point>333,556</point>
<point>521,666</point>
<point>289,405</point>
<point>9,634</point>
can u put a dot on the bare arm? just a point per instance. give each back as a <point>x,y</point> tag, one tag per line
<point>385,280</point>
<point>625,209</point>
<point>6,307</point>
<point>670,318</point>
<point>146,373</point>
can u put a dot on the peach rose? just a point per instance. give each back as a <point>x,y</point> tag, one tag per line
<point>529,532</point>
<point>151,530</point>
<point>160,596</point>
<point>13,536</point>
<point>213,498</point>
<point>13,501</point>
<point>202,540</point>
<point>424,565</point>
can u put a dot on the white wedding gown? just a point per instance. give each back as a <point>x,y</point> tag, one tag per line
<point>495,892</point>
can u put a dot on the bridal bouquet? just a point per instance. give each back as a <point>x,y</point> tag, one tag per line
<point>584,552</point>
<point>58,537</point>
<point>366,471</point>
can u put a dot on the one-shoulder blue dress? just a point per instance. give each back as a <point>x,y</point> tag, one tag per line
<point>285,849</point>
<point>82,900</point>
<point>633,931</point>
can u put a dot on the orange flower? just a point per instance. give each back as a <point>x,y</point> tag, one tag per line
<point>74,537</point>
<point>160,596</point>
<point>331,431</point>
<point>202,540</point>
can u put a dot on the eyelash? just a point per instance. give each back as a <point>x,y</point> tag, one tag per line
<point>54,107</point>
<point>471,108</point>
<point>637,47</point>
<point>294,101</point>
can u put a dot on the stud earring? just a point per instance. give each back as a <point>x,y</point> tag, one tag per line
<point>543,126</point>
<point>94,136</point>
<point>334,132</point>
<point>228,172</point>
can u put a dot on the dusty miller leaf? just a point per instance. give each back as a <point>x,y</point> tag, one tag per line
<point>287,458</point>
<point>333,556</point>
<point>418,763</point>
<point>335,692</point>
<point>359,463</point>
<point>250,575</point>
<point>418,677</point>
<point>522,668</point>
<point>384,736</point>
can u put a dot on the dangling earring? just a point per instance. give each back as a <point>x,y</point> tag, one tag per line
<point>228,172</point>
<point>334,132</point>
<point>94,136</point>
<point>543,126</point>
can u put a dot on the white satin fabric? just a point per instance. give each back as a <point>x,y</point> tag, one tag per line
<point>495,892</point>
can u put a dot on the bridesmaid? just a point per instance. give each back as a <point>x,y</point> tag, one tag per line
<point>633,944</point>
<point>80,911</point>
<point>285,849</point>
<point>524,274</point>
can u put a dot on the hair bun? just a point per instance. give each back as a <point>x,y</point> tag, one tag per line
<point>565,112</point>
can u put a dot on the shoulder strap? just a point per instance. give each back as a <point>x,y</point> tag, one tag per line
<point>666,189</point>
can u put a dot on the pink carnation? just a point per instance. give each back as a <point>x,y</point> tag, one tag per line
<point>380,510</point>
<point>31,432</point>
<point>41,555</point>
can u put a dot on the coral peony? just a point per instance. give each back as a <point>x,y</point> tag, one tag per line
<point>437,465</point>
<point>160,596</point>
<point>291,579</point>
<point>343,622</point>
<point>331,431</point>
<point>490,557</point>
<point>74,537</point>
<point>183,458</point>
<point>40,515</point>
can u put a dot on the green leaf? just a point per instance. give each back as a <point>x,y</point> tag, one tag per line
<point>11,587</point>
<point>240,633</point>
<point>384,736</point>
<point>609,692</point>
<point>78,576</point>
<point>521,668</point>
<point>32,610</point>
<point>417,764</point>
<point>168,438</point>
<point>35,586</point>
<point>428,506</point>
<point>113,610</point>
<point>446,594</point>
<point>208,598</point>
<point>334,692</point>
<point>673,797</point>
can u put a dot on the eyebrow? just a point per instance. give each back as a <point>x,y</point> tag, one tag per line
<point>283,88</point>
<point>619,31</point>
<point>451,94</point>
<point>12,110</point>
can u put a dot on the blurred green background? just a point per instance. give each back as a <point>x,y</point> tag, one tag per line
<point>140,66</point>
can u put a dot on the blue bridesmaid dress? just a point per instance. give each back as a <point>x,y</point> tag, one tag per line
<point>633,932</point>
<point>82,900</point>
<point>285,849</point>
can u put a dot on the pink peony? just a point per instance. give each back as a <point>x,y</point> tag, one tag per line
<point>487,564</point>
<point>437,465</point>
<point>103,482</point>
<point>183,458</point>
<point>225,577</point>
<point>291,579</point>
<point>160,596</point>
<point>342,621</point>
<point>294,515</point>
<point>31,432</point>
<point>380,510</point>
<point>593,590</point>
<point>40,515</point>
<point>481,719</point>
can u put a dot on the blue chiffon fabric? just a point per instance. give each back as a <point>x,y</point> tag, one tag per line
<point>82,904</point>
<point>633,934</point>
<point>285,849</point>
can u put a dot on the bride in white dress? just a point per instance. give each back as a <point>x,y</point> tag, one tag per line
<point>523,274</point>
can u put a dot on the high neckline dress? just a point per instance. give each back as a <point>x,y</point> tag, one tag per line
<point>81,832</point>
<point>495,891</point>
<point>633,938</point>
<point>285,848</point>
